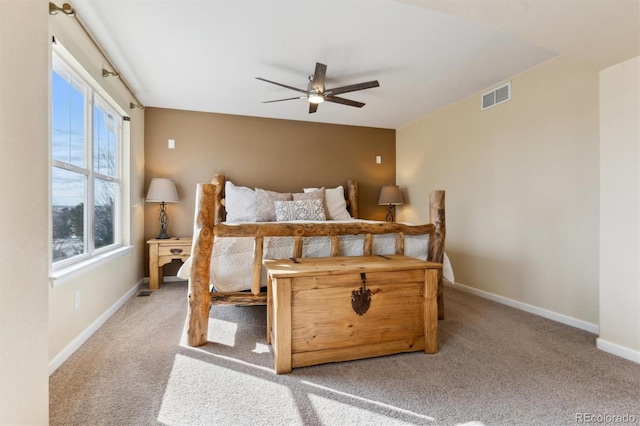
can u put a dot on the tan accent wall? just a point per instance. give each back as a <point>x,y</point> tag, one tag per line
<point>24,392</point>
<point>522,188</point>
<point>278,155</point>
<point>620,208</point>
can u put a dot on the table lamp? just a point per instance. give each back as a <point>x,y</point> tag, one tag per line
<point>390,196</point>
<point>162,190</point>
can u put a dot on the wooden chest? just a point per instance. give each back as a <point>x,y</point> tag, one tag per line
<point>343,308</point>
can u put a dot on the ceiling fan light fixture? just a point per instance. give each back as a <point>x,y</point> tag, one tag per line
<point>315,98</point>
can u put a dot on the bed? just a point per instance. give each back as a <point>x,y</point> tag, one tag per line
<point>230,242</point>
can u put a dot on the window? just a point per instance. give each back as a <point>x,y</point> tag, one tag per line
<point>86,182</point>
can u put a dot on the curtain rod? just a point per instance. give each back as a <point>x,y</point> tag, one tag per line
<point>68,10</point>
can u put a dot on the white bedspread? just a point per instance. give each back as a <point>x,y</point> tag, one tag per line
<point>232,257</point>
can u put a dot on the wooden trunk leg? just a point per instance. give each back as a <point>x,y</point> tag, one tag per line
<point>269,308</point>
<point>431,312</point>
<point>440,296</point>
<point>282,324</point>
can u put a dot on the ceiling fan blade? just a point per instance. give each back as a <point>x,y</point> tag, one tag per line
<point>312,108</point>
<point>343,101</point>
<point>318,76</point>
<point>286,99</point>
<point>352,87</point>
<point>282,85</point>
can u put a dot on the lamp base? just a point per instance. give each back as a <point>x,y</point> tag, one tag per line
<point>389,217</point>
<point>164,223</point>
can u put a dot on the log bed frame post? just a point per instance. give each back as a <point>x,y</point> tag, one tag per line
<point>436,240</point>
<point>201,249</point>
<point>352,198</point>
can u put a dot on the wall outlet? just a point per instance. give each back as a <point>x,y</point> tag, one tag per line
<point>378,159</point>
<point>76,300</point>
<point>172,143</point>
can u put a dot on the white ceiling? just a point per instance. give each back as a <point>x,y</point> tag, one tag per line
<point>204,55</point>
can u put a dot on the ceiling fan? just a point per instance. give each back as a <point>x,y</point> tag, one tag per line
<point>316,93</point>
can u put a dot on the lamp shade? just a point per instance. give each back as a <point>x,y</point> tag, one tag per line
<point>162,190</point>
<point>390,195</point>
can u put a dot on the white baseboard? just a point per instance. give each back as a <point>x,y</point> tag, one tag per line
<point>68,350</point>
<point>564,319</point>
<point>615,349</point>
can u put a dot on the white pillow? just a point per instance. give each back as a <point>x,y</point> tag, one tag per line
<point>299,210</point>
<point>240,203</point>
<point>336,203</point>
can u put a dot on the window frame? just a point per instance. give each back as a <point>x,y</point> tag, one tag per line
<point>95,96</point>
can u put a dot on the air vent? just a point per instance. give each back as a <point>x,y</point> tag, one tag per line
<point>496,96</point>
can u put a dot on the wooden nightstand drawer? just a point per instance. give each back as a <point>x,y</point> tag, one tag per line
<point>177,248</point>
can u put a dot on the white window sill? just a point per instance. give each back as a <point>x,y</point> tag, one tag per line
<point>60,276</point>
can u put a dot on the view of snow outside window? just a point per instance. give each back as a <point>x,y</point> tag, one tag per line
<point>85,160</point>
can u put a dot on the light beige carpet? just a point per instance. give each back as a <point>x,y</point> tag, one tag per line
<point>496,366</point>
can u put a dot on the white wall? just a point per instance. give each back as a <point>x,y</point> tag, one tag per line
<point>106,287</point>
<point>521,183</point>
<point>620,209</point>
<point>24,82</point>
<point>39,325</point>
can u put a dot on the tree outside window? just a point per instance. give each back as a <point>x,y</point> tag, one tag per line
<point>85,175</point>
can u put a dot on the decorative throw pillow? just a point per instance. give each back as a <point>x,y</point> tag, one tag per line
<point>240,203</point>
<point>318,194</point>
<point>299,210</point>
<point>336,204</point>
<point>265,207</point>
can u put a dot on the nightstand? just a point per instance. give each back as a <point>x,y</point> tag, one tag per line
<point>162,252</point>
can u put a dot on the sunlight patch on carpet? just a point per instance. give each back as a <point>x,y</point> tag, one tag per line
<point>241,363</point>
<point>261,349</point>
<point>223,332</point>
<point>199,392</point>
<point>380,406</point>
<point>328,410</point>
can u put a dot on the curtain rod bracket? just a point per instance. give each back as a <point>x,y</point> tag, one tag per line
<point>66,8</point>
<point>107,73</point>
